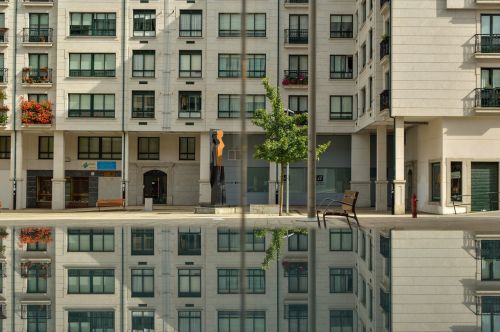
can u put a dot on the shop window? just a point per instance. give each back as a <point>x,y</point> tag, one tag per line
<point>456,181</point>
<point>435,182</point>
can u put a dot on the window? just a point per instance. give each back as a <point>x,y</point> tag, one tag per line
<point>91,240</point>
<point>490,28</point>
<point>490,311</point>
<point>38,68</point>
<point>341,321</point>
<point>363,55</point>
<point>187,148</point>
<point>297,277</point>
<point>143,63</point>
<point>189,321</point>
<point>228,281</point>
<point>341,26</point>
<point>258,179</point>
<point>38,97</point>
<point>363,292</point>
<point>189,283</point>
<point>85,281</point>
<point>297,32</point>
<point>370,303</point>
<point>340,240</point>
<point>84,321</point>
<point>190,23</point>
<point>4,147</point>
<point>297,69</point>
<point>362,100</point>
<point>490,260</point>
<point>298,104</point>
<point>144,23</point>
<point>92,65</point>
<point>37,246</point>
<point>143,321</point>
<point>297,242</point>
<point>256,281</point>
<point>143,284</point>
<point>92,24</point>
<point>363,11</point>
<point>37,278</point>
<point>229,240</point>
<point>230,25</point>
<point>256,65</point>
<point>340,107</point>
<point>255,321</point>
<point>341,280</point>
<point>143,241</point>
<point>370,93</point>
<point>229,105</point>
<point>456,181</point>
<point>435,182</point>
<point>297,317</point>
<point>370,40</point>
<point>45,147</point>
<point>229,65</point>
<point>341,66</point>
<point>39,28</point>
<point>148,148</point>
<point>91,105</point>
<point>190,64</point>
<point>143,104</point>
<point>190,104</point>
<point>189,241</point>
<point>104,148</point>
<point>37,316</point>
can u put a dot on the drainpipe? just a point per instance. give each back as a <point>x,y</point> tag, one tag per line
<point>124,136</point>
<point>167,113</point>
<point>276,185</point>
<point>122,298</point>
<point>14,92</point>
<point>13,279</point>
<point>278,292</point>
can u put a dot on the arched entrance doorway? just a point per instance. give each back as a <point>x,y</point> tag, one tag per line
<point>155,186</point>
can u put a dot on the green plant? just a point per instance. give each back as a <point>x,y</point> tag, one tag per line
<point>278,235</point>
<point>2,251</point>
<point>3,118</point>
<point>3,233</point>
<point>3,95</point>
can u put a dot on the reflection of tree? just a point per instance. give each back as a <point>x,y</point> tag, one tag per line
<point>278,235</point>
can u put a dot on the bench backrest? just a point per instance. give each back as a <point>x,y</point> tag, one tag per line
<point>350,197</point>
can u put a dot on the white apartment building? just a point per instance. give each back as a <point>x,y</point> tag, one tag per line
<point>405,94</point>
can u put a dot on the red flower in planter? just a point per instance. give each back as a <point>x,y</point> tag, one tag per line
<point>36,113</point>
<point>31,235</point>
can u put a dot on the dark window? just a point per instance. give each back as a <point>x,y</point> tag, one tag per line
<point>143,104</point>
<point>91,240</point>
<point>490,260</point>
<point>340,107</point>
<point>85,281</point>
<point>92,64</point>
<point>148,148</point>
<point>190,23</point>
<point>229,65</point>
<point>256,65</point>
<point>187,148</point>
<point>228,239</point>
<point>189,321</point>
<point>340,240</point>
<point>189,104</point>
<point>256,25</point>
<point>144,23</point>
<point>228,281</point>
<point>297,317</point>
<point>143,283</point>
<point>190,64</point>
<point>435,182</point>
<point>45,147</point>
<point>189,241</point>
<point>297,242</point>
<point>143,321</point>
<point>230,25</point>
<point>36,316</point>
<point>83,321</point>
<point>4,147</point>
<point>105,148</point>
<point>143,63</point>
<point>143,241</point>
<point>341,320</point>
<point>229,105</point>
<point>91,105</point>
<point>37,246</point>
<point>298,104</point>
<point>341,66</point>
<point>255,321</point>
<point>37,278</point>
<point>38,97</point>
<point>341,26</point>
<point>456,181</point>
<point>297,277</point>
<point>490,311</point>
<point>362,250</point>
<point>341,280</point>
<point>92,24</point>
<point>189,283</point>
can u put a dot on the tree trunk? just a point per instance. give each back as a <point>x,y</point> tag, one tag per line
<point>282,187</point>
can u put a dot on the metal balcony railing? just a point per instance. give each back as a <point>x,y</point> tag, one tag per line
<point>296,36</point>
<point>37,35</point>
<point>383,2</point>
<point>3,75</point>
<point>385,47</point>
<point>385,100</point>
<point>295,77</point>
<point>3,35</point>
<point>37,75</point>
<point>487,43</point>
<point>487,97</point>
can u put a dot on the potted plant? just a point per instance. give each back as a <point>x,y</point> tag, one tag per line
<point>3,118</point>
<point>285,81</point>
<point>3,95</point>
<point>32,235</point>
<point>33,112</point>
<point>3,233</point>
<point>26,69</point>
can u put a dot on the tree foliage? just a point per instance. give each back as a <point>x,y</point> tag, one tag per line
<point>278,236</point>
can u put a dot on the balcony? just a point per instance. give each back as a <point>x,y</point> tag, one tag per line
<point>384,6</point>
<point>3,76</point>
<point>385,100</point>
<point>296,36</point>
<point>487,46</point>
<point>41,3</point>
<point>487,100</point>
<point>37,76</point>
<point>4,3</point>
<point>3,36</point>
<point>296,3</point>
<point>295,78</point>
<point>37,36</point>
<point>385,49</point>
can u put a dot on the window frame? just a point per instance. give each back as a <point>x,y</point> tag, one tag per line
<point>346,280</point>
<point>191,32</point>
<point>143,233</point>
<point>299,245</point>
<point>92,317</point>
<point>148,14</point>
<point>342,33</point>
<point>188,113</point>
<point>146,322</point>
<point>190,73</point>
<point>92,29</point>
<point>190,144</point>
<point>92,233</point>
<point>47,142</point>
<point>343,232</point>
<point>100,154</point>
<point>191,315</point>
<point>342,73</point>
<point>144,72</point>
<point>143,112</point>
<point>435,179</point>
<point>342,115</point>
<point>150,154</point>
<point>139,273</point>
<point>190,237</point>
<point>92,72</point>
<point>77,113</point>
<point>342,314</point>
<point>91,274</point>
<point>5,147</point>
<point>296,272</point>
<point>233,233</point>
<point>192,274</point>
<point>234,101</point>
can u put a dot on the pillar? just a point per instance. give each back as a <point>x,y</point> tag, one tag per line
<point>125,167</point>
<point>273,183</point>
<point>205,189</point>
<point>16,170</point>
<point>381,183</point>
<point>399,174</point>
<point>360,167</point>
<point>58,178</point>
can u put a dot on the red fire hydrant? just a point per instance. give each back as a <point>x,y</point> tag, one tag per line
<point>414,205</point>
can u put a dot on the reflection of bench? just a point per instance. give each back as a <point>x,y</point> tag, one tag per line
<point>120,202</point>
<point>344,208</point>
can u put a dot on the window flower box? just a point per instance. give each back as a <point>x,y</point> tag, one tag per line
<point>36,113</point>
<point>31,235</point>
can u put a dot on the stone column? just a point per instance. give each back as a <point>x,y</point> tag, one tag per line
<point>17,176</point>
<point>273,183</point>
<point>205,189</point>
<point>381,183</point>
<point>399,175</point>
<point>125,166</point>
<point>360,167</point>
<point>58,176</point>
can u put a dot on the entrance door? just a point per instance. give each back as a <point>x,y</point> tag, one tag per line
<point>44,192</point>
<point>484,186</point>
<point>77,192</point>
<point>155,186</point>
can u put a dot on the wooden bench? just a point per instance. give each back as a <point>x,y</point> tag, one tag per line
<point>110,203</point>
<point>344,208</point>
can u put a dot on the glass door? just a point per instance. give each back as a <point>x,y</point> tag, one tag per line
<point>39,28</point>
<point>298,27</point>
<point>43,191</point>
<point>38,68</point>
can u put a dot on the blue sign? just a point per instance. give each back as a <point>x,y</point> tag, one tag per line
<point>106,165</point>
